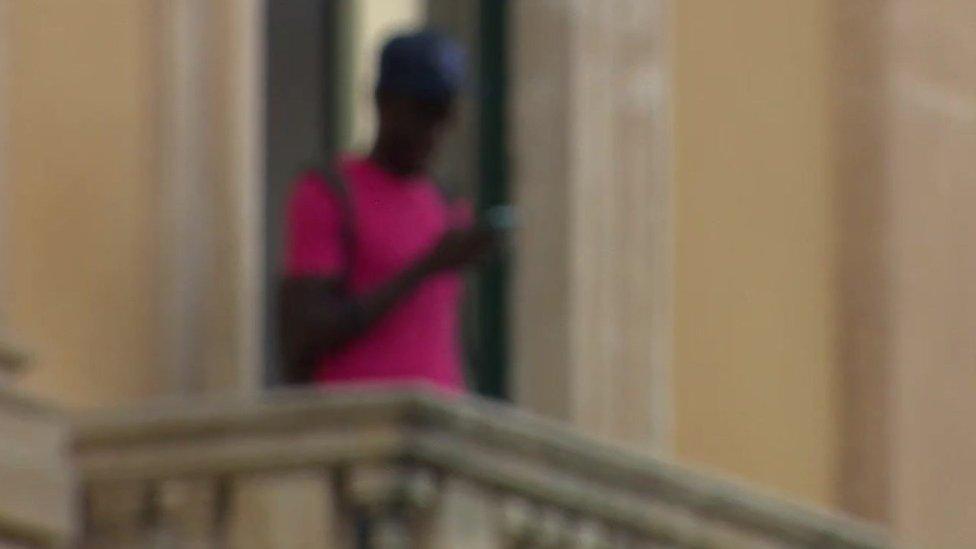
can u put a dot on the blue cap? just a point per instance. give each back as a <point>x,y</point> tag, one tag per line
<point>424,64</point>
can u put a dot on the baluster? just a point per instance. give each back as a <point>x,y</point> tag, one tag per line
<point>291,510</point>
<point>716,533</point>
<point>117,514</point>
<point>393,500</point>
<point>591,535</point>
<point>553,529</point>
<point>188,514</point>
<point>466,515</point>
<point>528,525</point>
<point>517,518</point>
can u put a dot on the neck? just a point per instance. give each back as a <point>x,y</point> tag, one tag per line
<point>382,155</point>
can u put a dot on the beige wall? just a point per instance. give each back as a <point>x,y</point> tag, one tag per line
<point>933,194</point>
<point>134,196</point>
<point>766,267</point>
<point>81,274</point>
<point>755,289</point>
<point>211,112</point>
<point>4,130</point>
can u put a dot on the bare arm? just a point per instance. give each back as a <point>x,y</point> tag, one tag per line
<point>318,318</point>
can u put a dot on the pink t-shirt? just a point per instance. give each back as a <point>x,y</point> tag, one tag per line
<point>395,221</point>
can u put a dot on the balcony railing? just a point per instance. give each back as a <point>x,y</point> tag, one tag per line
<point>36,485</point>
<point>405,469</point>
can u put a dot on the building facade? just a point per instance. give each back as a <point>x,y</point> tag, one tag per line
<point>745,224</point>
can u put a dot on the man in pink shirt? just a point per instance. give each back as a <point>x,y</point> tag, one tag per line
<point>375,249</point>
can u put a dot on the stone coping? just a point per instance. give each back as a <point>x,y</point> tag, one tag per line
<point>35,460</point>
<point>14,401</point>
<point>27,534</point>
<point>493,443</point>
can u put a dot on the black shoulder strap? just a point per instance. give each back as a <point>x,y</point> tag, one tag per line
<point>337,185</point>
<point>448,192</point>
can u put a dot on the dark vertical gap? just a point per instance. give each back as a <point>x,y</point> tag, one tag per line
<point>491,377</point>
<point>307,60</point>
<point>299,109</point>
<point>332,44</point>
<point>860,61</point>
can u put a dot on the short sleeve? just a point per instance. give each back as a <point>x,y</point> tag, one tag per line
<point>461,214</point>
<point>314,240</point>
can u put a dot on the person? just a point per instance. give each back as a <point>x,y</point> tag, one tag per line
<point>375,249</point>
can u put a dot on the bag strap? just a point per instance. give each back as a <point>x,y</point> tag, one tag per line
<point>336,183</point>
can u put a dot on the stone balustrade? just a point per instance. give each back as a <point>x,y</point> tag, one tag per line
<point>36,484</point>
<point>403,469</point>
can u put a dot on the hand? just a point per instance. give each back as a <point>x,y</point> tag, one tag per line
<point>459,248</point>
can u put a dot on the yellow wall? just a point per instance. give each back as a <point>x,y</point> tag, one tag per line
<point>81,281</point>
<point>755,315</point>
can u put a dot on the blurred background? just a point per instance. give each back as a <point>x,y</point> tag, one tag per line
<point>746,237</point>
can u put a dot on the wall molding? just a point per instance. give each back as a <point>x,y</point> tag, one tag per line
<point>212,124</point>
<point>592,153</point>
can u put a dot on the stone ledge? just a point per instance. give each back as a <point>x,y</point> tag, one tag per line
<point>19,533</point>
<point>491,444</point>
<point>525,436</point>
<point>34,468</point>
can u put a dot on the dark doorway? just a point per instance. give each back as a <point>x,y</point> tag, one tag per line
<point>309,116</point>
